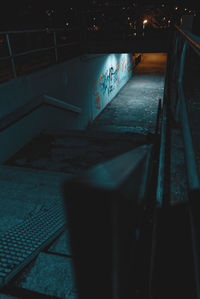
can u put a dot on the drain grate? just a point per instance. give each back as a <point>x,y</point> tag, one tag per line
<point>20,244</point>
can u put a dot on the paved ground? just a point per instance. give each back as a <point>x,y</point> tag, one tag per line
<point>72,151</point>
<point>33,177</point>
<point>134,108</point>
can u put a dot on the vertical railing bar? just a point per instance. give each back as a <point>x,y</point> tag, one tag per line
<point>11,56</point>
<point>160,184</point>
<point>175,56</point>
<point>193,178</point>
<point>182,62</point>
<point>55,45</point>
<point>157,129</point>
<point>180,79</point>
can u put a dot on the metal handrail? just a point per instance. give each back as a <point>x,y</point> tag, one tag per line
<point>190,37</point>
<point>36,51</point>
<point>11,55</point>
<point>35,30</point>
<point>181,113</point>
<point>191,165</point>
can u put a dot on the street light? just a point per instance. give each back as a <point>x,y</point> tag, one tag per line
<point>144,22</point>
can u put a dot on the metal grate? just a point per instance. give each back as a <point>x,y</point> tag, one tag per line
<point>20,244</point>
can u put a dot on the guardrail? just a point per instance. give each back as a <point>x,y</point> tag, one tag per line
<point>162,157</point>
<point>55,46</point>
<point>181,109</point>
<point>184,40</point>
<point>81,36</point>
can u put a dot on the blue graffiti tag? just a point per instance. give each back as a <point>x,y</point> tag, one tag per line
<point>108,80</point>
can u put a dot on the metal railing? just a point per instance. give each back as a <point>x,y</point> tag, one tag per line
<point>55,46</point>
<point>184,41</point>
<point>181,108</point>
<point>79,35</point>
<point>162,156</point>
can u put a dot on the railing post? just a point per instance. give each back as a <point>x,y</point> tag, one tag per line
<point>55,45</point>
<point>11,56</point>
<point>182,63</point>
<point>175,57</point>
<point>180,78</point>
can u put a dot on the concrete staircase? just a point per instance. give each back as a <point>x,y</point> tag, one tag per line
<point>32,180</point>
<point>33,177</point>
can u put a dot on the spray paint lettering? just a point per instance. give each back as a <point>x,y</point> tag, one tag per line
<point>123,64</point>
<point>118,67</point>
<point>97,101</point>
<point>107,81</point>
<point>100,78</point>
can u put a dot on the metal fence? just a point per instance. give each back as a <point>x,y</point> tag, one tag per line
<point>56,40</point>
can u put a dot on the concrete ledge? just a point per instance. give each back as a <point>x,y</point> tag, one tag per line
<point>49,100</point>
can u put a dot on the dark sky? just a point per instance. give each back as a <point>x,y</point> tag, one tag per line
<point>31,13</point>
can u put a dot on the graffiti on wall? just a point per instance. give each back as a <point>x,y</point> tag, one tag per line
<point>108,81</point>
<point>125,64</point>
<point>97,101</point>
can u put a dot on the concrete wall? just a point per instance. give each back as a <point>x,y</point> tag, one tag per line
<point>89,82</point>
<point>103,77</point>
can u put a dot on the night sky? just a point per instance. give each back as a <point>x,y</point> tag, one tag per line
<point>27,14</point>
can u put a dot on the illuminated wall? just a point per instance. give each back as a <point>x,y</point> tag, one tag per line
<point>89,82</point>
<point>109,74</point>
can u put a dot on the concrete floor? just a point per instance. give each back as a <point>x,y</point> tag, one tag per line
<point>33,177</point>
<point>134,108</point>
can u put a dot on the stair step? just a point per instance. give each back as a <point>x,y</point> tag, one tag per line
<point>73,151</point>
<point>123,129</point>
